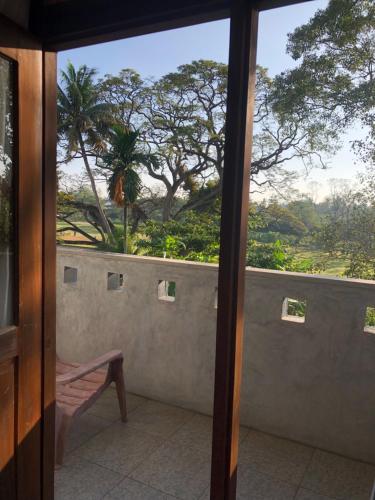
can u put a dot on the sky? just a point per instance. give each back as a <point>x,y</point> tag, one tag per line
<point>156,54</point>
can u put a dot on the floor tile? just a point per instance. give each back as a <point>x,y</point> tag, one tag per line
<point>180,471</point>
<point>339,477</point>
<point>119,448</point>
<point>197,433</point>
<point>81,480</point>
<point>167,452</point>
<point>82,429</point>
<point>310,495</point>
<point>107,406</point>
<point>133,401</point>
<point>253,485</point>
<point>129,489</point>
<point>158,419</point>
<point>276,457</point>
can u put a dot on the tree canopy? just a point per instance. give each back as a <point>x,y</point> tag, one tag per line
<point>160,145</point>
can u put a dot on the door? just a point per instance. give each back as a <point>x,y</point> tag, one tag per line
<point>22,342</point>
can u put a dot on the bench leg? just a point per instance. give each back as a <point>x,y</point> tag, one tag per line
<point>118,378</point>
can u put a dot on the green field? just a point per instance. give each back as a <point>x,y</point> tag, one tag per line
<point>332,266</point>
<point>88,228</point>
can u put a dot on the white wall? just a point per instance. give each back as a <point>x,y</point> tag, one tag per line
<point>313,382</point>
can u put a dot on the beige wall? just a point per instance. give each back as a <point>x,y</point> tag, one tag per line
<point>313,382</point>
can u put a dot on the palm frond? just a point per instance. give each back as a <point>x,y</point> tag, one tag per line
<point>132,185</point>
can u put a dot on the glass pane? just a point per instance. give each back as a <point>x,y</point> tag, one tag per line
<point>6,192</point>
<point>148,287</point>
<point>312,213</point>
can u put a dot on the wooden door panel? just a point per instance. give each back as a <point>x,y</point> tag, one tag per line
<point>8,343</point>
<point>7,414</point>
<point>21,358</point>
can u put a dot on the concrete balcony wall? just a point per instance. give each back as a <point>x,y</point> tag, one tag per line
<point>313,382</point>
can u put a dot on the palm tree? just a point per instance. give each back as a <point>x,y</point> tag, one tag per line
<point>83,121</point>
<point>123,160</point>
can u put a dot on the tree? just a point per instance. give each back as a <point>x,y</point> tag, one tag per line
<point>185,121</point>
<point>125,92</point>
<point>76,204</point>
<point>195,236</point>
<point>83,122</point>
<point>348,230</point>
<point>69,209</point>
<point>184,116</point>
<point>306,211</point>
<point>123,160</point>
<point>335,77</point>
<point>281,219</point>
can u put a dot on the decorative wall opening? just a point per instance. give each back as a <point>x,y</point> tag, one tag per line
<point>70,275</point>
<point>167,290</point>
<point>370,320</point>
<point>294,310</point>
<point>115,281</point>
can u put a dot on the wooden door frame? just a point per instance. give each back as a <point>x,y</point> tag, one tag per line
<point>241,84</point>
<point>233,243</point>
<point>21,47</point>
<point>49,187</point>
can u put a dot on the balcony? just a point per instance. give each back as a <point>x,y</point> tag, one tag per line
<point>307,405</point>
<point>163,452</point>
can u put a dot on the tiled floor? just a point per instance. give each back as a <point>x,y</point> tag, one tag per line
<point>163,452</point>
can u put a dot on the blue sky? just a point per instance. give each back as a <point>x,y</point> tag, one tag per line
<point>159,53</point>
<point>156,54</point>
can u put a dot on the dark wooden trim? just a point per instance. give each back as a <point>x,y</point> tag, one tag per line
<point>233,239</point>
<point>8,343</point>
<point>49,272</point>
<point>70,24</point>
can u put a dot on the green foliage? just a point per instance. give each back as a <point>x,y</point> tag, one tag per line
<point>370,316</point>
<point>278,218</point>
<point>267,255</point>
<point>194,237</point>
<point>306,211</point>
<point>334,78</point>
<point>83,122</point>
<point>123,161</point>
<point>299,118</point>
<point>275,256</point>
<point>297,308</point>
<point>81,114</point>
<point>348,229</point>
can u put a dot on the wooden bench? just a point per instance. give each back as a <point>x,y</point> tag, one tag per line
<point>78,386</point>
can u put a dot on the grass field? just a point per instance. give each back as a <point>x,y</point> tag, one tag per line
<point>85,226</point>
<point>332,266</point>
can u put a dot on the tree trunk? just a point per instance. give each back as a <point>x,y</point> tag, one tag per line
<point>167,205</point>
<point>103,218</point>
<point>126,222</point>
